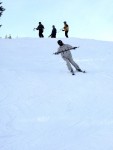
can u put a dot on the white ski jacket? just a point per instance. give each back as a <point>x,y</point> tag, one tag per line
<point>66,54</point>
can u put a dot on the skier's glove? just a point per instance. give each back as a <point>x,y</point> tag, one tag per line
<point>55,53</point>
<point>75,47</point>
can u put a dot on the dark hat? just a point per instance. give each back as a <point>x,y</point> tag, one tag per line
<point>60,42</point>
<point>64,21</point>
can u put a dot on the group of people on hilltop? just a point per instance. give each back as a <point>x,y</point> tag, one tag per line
<point>40,28</point>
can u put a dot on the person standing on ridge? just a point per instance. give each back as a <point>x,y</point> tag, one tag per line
<point>66,29</point>
<point>53,33</point>
<point>64,50</point>
<point>41,29</point>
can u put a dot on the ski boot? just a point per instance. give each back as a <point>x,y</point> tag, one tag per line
<point>72,72</point>
<point>79,70</point>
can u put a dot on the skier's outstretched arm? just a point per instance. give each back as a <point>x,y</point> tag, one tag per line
<point>58,52</point>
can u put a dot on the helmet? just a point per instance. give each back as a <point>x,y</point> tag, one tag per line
<point>64,21</point>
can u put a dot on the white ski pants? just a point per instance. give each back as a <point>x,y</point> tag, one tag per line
<point>69,62</point>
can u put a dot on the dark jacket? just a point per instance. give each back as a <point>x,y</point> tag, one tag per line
<point>40,27</point>
<point>53,33</point>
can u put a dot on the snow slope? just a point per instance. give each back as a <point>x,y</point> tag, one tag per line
<point>44,107</point>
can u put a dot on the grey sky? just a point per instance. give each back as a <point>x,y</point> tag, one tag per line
<point>86,18</point>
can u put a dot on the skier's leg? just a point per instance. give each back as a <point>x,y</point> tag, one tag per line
<point>74,64</point>
<point>66,34</point>
<point>40,34</point>
<point>69,65</point>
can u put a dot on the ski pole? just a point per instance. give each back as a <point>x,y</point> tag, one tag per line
<point>59,30</point>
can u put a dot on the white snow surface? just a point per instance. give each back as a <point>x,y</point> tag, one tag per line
<point>44,107</point>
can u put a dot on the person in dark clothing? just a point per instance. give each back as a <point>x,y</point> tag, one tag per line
<point>41,29</point>
<point>53,33</point>
<point>66,29</point>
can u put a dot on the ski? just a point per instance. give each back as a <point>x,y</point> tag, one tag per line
<point>82,71</point>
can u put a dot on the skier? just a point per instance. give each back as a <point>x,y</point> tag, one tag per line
<point>53,33</point>
<point>64,49</point>
<point>41,29</point>
<point>66,29</point>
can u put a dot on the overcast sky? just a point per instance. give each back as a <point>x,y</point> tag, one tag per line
<point>86,18</point>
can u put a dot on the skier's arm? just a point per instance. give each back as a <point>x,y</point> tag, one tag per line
<point>69,48</point>
<point>36,28</point>
<point>58,52</point>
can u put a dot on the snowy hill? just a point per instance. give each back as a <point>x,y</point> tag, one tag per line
<point>44,107</point>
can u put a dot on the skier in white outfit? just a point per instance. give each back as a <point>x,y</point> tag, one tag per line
<point>64,50</point>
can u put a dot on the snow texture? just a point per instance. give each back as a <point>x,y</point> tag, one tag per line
<point>44,107</point>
